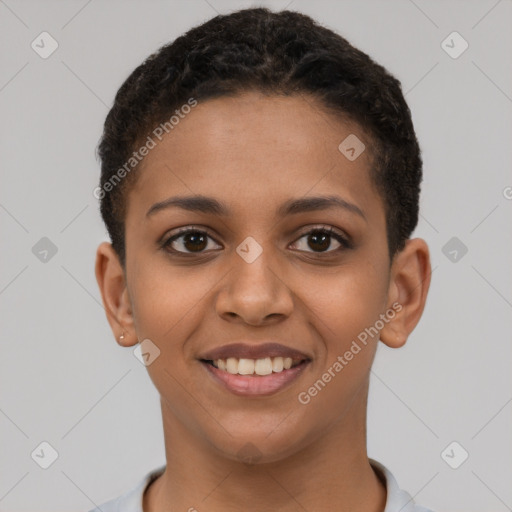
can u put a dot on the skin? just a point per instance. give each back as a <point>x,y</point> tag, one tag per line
<point>253,153</point>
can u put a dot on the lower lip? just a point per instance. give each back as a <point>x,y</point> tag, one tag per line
<point>256,385</point>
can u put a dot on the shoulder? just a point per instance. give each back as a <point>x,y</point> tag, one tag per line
<point>397,499</point>
<point>130,501</point>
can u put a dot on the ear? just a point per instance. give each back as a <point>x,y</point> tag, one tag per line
<point>114,293</point>
<point>408,288</point>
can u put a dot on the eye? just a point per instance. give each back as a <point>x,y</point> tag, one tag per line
<point>320,239</point>
<point>192,240</point>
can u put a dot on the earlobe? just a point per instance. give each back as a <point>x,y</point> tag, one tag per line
<point>114,293</point>
<point>409,284</point>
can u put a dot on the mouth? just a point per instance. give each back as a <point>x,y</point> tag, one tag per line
<point>260,367</point>
<point>255,377</point>
<point>257,370</point>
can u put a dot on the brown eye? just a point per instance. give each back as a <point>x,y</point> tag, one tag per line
<point>188,241</point>
<point>320,240</point>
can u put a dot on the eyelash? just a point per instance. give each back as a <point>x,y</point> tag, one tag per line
<point>343,240</point>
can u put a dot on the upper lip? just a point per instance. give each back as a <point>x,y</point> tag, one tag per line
<point>251,351</point>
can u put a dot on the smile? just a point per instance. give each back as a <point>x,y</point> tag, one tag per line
<point>264,366</point>
<point>255,377</point>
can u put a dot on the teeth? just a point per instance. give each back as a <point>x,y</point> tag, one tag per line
<point>231,365</point>
<point>277,364</point>
<point>263,366</point>
<point>246,366</point>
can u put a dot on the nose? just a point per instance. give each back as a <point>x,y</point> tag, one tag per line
<point>254,293</point>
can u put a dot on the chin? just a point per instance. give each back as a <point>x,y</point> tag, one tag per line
<point>261,446</point>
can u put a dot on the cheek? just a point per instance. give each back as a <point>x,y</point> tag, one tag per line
<point>346,302</point>
<point>344,308</point>
<point>167,307</point>
<point>165,300</point>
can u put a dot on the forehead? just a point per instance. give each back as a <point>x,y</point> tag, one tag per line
<point>251,150</point>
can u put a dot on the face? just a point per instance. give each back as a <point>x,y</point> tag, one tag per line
<point>259,263</point>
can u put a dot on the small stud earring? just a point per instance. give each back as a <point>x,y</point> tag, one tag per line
<point>121,338</point>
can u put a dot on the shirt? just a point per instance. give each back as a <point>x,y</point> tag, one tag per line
<point>397,499</point>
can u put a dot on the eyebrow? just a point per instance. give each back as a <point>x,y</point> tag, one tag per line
<point>209,205</point>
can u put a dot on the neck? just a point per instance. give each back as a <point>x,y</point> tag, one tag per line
<point>332,472</point>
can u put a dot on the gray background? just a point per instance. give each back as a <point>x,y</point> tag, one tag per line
<point>64,379</point>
